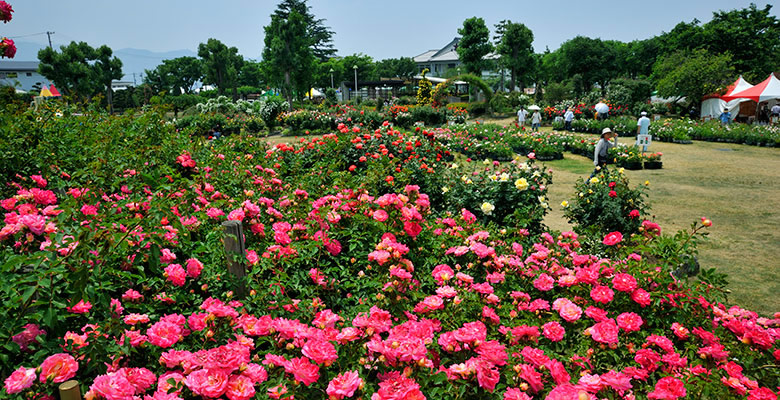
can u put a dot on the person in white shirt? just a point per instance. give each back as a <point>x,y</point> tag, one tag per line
<point>521,116</point>
<point>643,124</point>
<point>536,121</point>
<point>567,118</point>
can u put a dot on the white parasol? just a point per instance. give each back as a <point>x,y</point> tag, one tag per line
<point>602,108</point>
<point>534,108</point>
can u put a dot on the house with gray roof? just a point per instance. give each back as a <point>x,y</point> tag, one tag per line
<point>439,61</point>
<point>22,75</point>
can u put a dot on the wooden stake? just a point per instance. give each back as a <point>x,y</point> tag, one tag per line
<point>236,253</point>
<point>70,390</point>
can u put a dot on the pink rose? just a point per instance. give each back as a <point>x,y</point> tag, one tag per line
<point>303,371</point>
<point>612,238</point>
<point>320,351</point>
<point>601,294</point>
<point>194,267</point>
<point>164,334</point>
<point>113,386</point>
<point>82,307</point>
<point>380,215</point>
<point>167,256</point>
<point>21,379</point>
<point>35,222</point>
<point>553,331</point>
<point>240,387</point>
<point>570,311</point>
<point>629,322</point>
<point>624,283</point>
<point>442,273</point>
<point>210,383</point>
<point>641,297</point>
<point>605,332</point>
<point>544,282</point>
<point>58,368</point>
<point>176,274</point>
<point>344,385</point>
<point>668,388</point>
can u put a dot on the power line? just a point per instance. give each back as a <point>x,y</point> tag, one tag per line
<point>23,36</point>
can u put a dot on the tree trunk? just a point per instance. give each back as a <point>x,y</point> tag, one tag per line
<point>513,80</point>
<point>110,98</point>
<point>288,89</point>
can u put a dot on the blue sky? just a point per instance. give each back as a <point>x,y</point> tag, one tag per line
<point>381,29</point>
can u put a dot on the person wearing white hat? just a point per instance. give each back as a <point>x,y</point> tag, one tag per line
<point>643,124</point>
<point>600,153</point>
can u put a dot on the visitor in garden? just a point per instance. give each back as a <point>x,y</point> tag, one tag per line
<point>521,115</point>
<point>215,134</point>
<point>567,118</point>
<point>536,120</point>
<point>775,114</point>
<point>643,124</point>
<point>725,117</point>
<point>600,154</point>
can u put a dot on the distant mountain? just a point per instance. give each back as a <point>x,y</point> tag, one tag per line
<point>138,60</point>
<point>133,60</point>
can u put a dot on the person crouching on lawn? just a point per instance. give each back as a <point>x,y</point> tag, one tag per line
<point>600,154</point>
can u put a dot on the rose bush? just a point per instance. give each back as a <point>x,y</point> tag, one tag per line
<point>363,279</point>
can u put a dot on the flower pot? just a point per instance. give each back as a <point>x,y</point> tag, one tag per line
<point>633,165</point>
<point>653,164</point>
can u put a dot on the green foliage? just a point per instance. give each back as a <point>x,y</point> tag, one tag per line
<point>692,74</point>
<point>331,95</point>
<point>317,34</point>
<point>287,56</point>
<point>403,67</point>
<point>79,70</point>
<point>512,195</point>
<point>221,65</point>
<point>604,204</point>
<point>175,76</point>
<point>474,45</point>
<point>513,43</point>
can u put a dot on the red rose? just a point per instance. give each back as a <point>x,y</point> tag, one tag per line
<point>613,238</point>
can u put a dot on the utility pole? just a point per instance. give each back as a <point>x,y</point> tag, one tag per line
<point>49,35</point>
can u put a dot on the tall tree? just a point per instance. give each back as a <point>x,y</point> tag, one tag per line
<point>251,74</point>
<point>183,73</point>
<point>287,57</point>
<point>176,76</point>
<point>513,44</point>
<point>319,35</point>
<point>692,74</point>
<point>79,70</point>
<point>220,65</point>
<point>105,69</point>
<point>474,45</point>
<point>403,67</point>
<point>587,61</point>
<point>751,35</point>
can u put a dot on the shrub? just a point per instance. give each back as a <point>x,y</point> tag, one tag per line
<point>476,109</point>
<point>606,203</point>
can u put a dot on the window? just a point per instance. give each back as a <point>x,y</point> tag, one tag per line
<point>11,75</point>
<point>29,74</point>
<point>452,65</point>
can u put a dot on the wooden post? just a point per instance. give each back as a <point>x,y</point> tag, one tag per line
<point>236,254</point>
<point>70,390</point>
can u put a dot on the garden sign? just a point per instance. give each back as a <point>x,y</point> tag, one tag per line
<point>644,141</point>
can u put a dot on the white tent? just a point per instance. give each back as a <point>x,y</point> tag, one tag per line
<point>712,106</point>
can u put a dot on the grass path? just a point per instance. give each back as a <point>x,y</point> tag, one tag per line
<point>736,186</point>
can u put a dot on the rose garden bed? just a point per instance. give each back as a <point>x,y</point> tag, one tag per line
<point>375,268</point>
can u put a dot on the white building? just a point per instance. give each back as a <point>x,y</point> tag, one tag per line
<point>22,75</point>
<point>439,61</point>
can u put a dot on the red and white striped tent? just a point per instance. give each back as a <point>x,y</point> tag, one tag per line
<point>769,89</point>
<point>713,105</point>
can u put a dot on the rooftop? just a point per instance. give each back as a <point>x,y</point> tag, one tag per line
<point>19,65</point>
